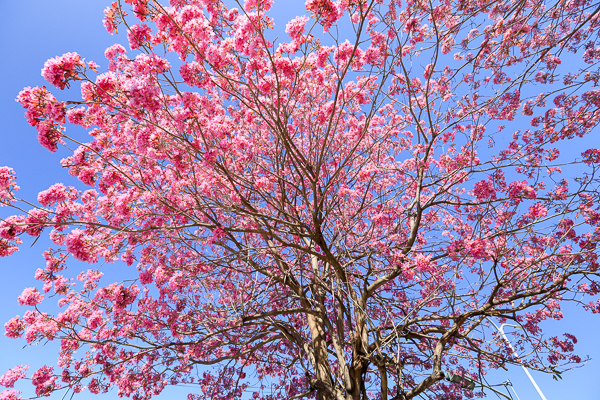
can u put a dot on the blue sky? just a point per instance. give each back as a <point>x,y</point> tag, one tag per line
<point>35,30</point>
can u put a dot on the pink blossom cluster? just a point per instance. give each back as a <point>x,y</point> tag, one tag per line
<point>343,52</point>
<point>105,87</point>
<point>143,94</point>
<point>77,245</point>
<point>284,66</point>
<point>10,395</point>
<point>48,135</point>
<point>61,285</point>
<point>140,8</point>
<point>244,39</point>
<point>115,54</point>
<point>139,35</point>
<point>12,375</point>
<point>484,190</point>
<point>90,279</point>
<point>519,190</point>
<point>40,105</point>
<point>412,24</point>
<point>55,194</point>
<point>30,297</point>
<point>95,320</point>
<point>35,222</point>
<point>111,18</point>
<point>478,248</point>
<point>59,70</point>
<point>14,327</point>
<point>9,246</point>
<point>536,211</point>
<point>7,185</point>
<point>37,325</point>
<point>423,262</point>
<point>146,64</point>
<point>45,113</point>
<point>190,73</point>
<point>9,228</point>
<point>262,5</point>
<point>76,116</point>
<point>296,27</point>
<point>121,296</point>
<point>326,12</point>
<point>44,381</point>
<point>591,156</point>
<point>115,50</point>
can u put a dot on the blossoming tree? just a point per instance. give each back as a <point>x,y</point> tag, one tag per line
<point>337,214</point>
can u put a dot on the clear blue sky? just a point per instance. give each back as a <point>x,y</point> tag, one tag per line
<point>35,30</point>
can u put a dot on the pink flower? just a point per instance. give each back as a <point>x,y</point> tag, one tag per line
<point>35,222</point>
<point>87,176</point>
<point>114,51</point>
<point>106,85</point>
<point>77,246</point>
<point>76,116</point>
<point>263,183</point>
<point>295,28</point>
<point>41,107</point>
<point>128,258</point>
<point>143,93</point>
<point>423,262</point>
<point>520,190</point>
<point>537,211</point>
<point>478,248</point>
<point>43,381</point>
<point>30,297</point>
<point>95,320</point>
<point>14,328</point>
<point>90,279</point>
<point>146,277</point>
<point>412,24</point>
<point>48,135</point>
<point>9,395</point>
<point>263,5</point>
<point>217,235</point>
<point>325,10</point>
<point>61,285</point>
<point>429,69</point>
<point>7,248</point>
<point>120,295</point>
<point>150,64</point>
<point>12,375</point>
<point>93,66</point>
<point>56,193</point>
<point>137,35</point>
<point>110,21</point>
<point>7,230</point>
<point>484,190</point>
<point>7,185</point>
<point>285,66</point>
<point>591,156</point>
<point>190,72</point>
<point>58,70</point>
<point>343,52</point>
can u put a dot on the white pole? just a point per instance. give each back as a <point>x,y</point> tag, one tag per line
<point>509,383</point>
<point>501,330</point>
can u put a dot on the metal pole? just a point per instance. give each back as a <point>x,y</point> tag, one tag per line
<point>509,383</point>
<point>496,391</point>
<point>501,330</point>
